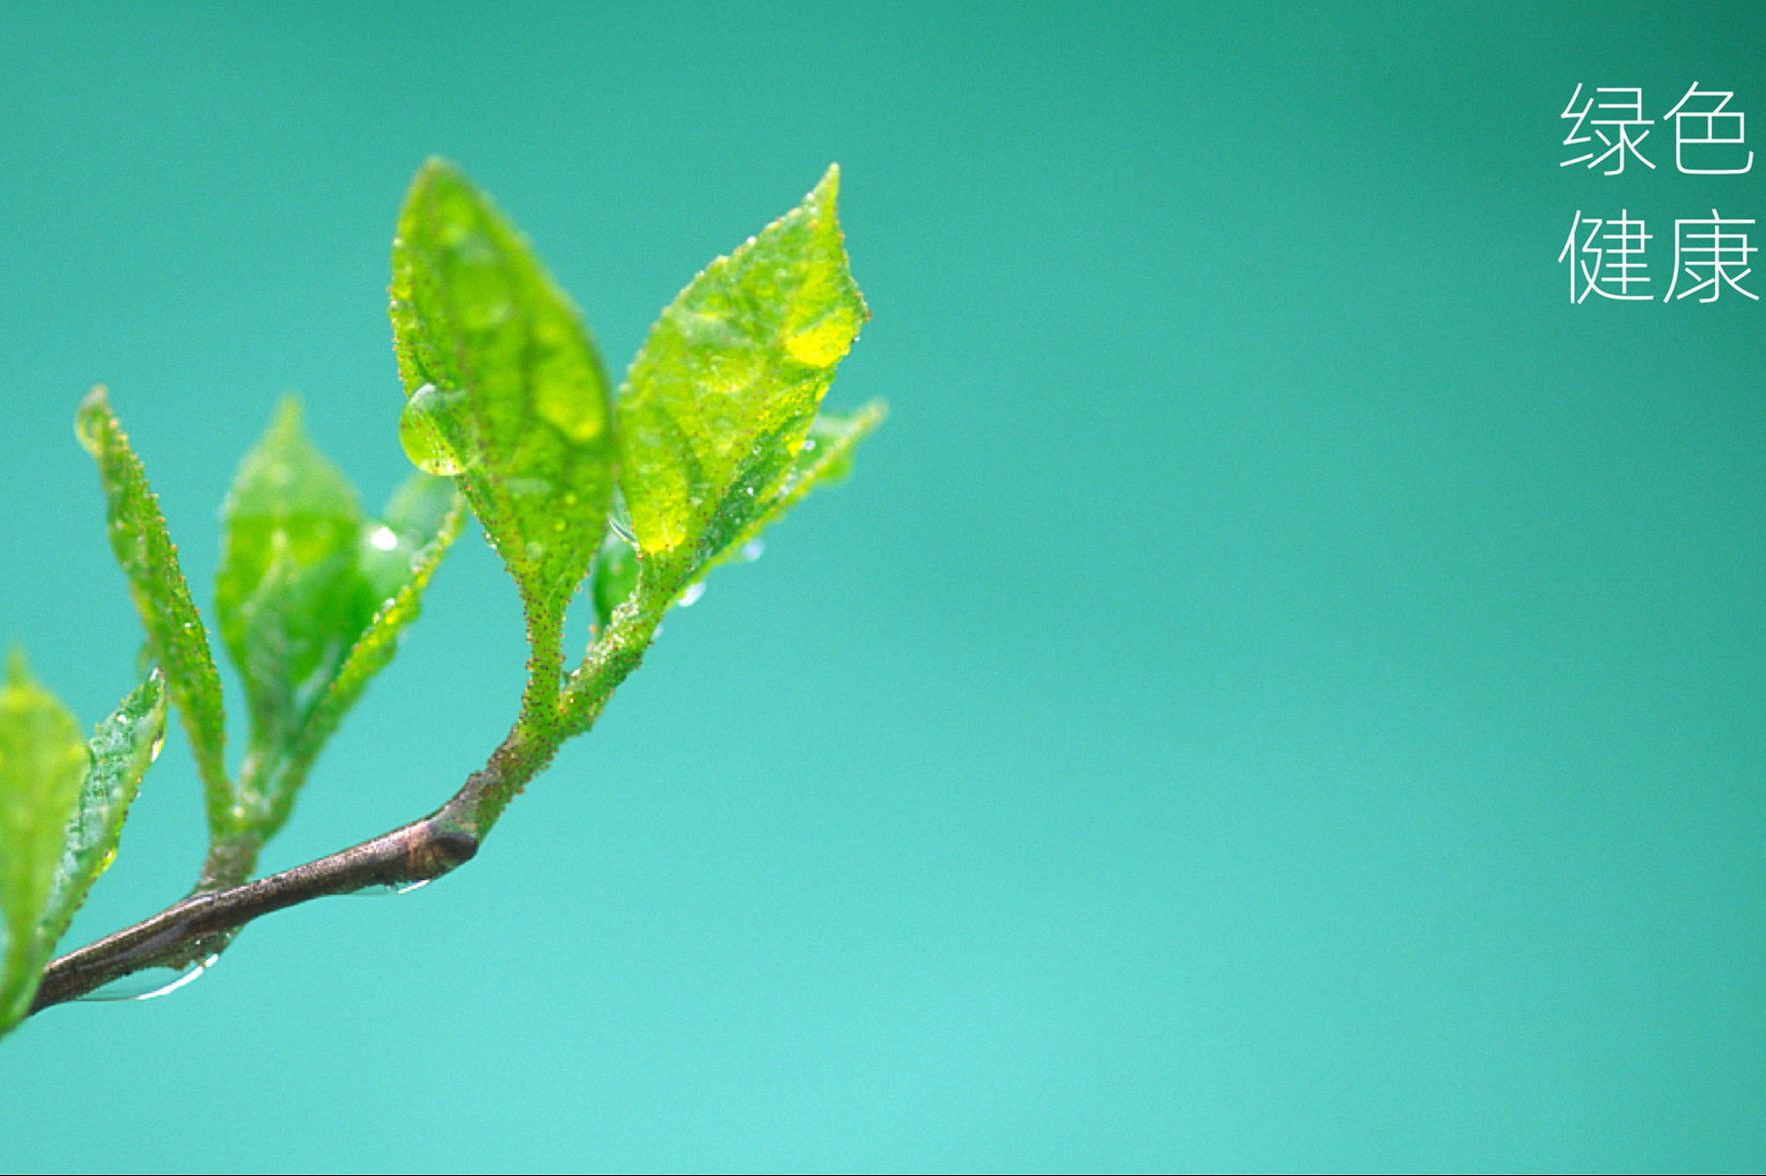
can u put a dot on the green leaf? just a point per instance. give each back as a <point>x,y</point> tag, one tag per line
<point>400,556</point>
<point>43,760</point>
<point>289,599</point>
<point>616,575</point>
<point>175,635</point>
<point>311,597</point>
<point>720,399</point>
<point>505,390</point>
<point>122,747</point>
<point>825,459</point>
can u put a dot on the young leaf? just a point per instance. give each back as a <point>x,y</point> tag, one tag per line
<point>175,636</point>
<point>310,597</point>
<point>289,600</point>
<point>616,574</point>
<point>122,747</point>
<point>505,389</point>
<point>43,760</point>
<point>400,555</point>
<point>720,399</point>
<point>826,458</point>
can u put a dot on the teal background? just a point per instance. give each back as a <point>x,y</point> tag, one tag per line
<point>1285,688</point>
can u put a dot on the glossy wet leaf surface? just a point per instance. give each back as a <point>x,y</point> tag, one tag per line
<point>176,638</point>
<point>505,389</point>
<point>43,761</point>
<point>825,458</point>
<point>720,399</point>
<point>122,747</point>
<point>289,600</point>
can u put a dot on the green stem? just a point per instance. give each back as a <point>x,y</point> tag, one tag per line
<point>619,651</point>
<point>545,663</point>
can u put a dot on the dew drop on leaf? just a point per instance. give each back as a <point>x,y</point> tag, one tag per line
<point>420,433</point>
<point>620,521</point>
<point>89,428</point>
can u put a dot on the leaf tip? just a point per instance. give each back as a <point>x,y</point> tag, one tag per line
<point>18,668</point>
<point>92,419</point>
<point>288,417</point>
<point>435,173</point>
<point>827,189</point>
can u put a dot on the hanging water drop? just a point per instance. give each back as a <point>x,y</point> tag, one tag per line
<point>150,982</point>
<point>389,890</point>
<point>690,596</point>
<point>420,433</point>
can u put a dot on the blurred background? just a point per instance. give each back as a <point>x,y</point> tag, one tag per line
<point>1284,689</point>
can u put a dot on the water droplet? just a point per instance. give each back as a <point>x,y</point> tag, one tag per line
<point>159,745</point>
<point>753,550</point>
<point>382,890</point>
<point>89,428</point>
<point>420,432</point>
<point>691,595</point>
<point>383,539</point>
<point>150,982</point>
<point>620,520</point>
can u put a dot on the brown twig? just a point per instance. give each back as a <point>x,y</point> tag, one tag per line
<point>198,926</point>
<point>201,925</point>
